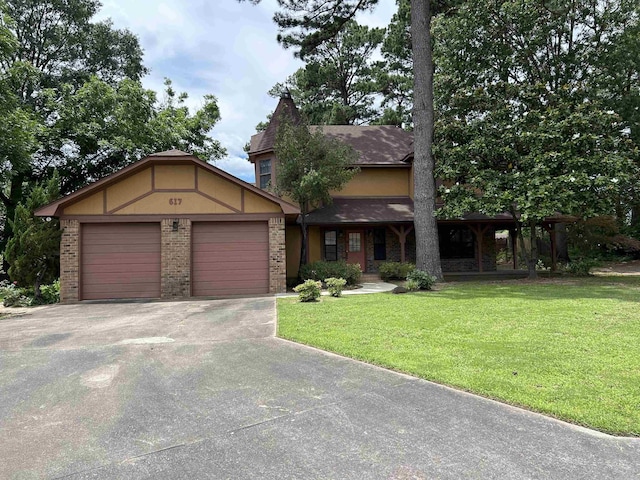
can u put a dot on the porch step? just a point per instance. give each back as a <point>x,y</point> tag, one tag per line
<point>370,278</point>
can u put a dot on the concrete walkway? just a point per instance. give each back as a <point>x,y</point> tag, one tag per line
<point>366,287</point>
<point>203,389</point>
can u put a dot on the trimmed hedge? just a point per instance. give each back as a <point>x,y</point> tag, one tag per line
<point>322,270</point>
<point>395,270</point>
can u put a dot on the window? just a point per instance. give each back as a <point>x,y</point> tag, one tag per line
<point>354,242</point>
<point>379,244</point>
<point>331,245</point>
<point>265,173</point>
<point>456,242</point>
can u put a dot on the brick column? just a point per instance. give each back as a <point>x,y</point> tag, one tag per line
<point>277,256</point>
<point>176,258</point>
<point>69,261</point>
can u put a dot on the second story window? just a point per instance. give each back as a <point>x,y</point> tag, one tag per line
<point>265,173</point>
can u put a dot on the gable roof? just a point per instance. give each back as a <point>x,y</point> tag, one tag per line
<point>383,145</point>
<point>169,157</point>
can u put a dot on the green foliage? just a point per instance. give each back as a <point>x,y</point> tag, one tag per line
<point>310,164</point>
<point>337,84</point>
<point>412,285</point>
<point>582,267</point>
<point>527,128</point>
<point>395,270</point>
<point>50,293</point>
<point>600,237</point>
<point>322,270</point>
<point>34,250</point>
<point>335,286</point>
<point>309,291</point>
<point>14,296</point>
<point>423,280</point>
<point>100,128</point>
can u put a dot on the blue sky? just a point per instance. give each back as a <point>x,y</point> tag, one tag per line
<point>218,47</point>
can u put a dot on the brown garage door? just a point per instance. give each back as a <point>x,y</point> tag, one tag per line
<point>120,260</point>
<point>230,258</point>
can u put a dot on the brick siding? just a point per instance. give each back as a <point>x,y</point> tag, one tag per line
<point>277,256</point>
<point>175,258</point>
<point>69,261</point>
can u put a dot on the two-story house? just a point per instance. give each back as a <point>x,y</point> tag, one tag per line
<point>371,219</point>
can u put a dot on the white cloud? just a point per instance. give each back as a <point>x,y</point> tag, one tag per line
<point>224,48</point>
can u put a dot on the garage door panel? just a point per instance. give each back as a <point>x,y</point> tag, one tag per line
<point>220,249</point>
<point>121,249</point>
<point>126,259</point>
<point>120,261</point>
<point>118,277</point>
<point>97,267</point>
<point>228,266</point>
<point>105,292</point>
<point>230,258</point>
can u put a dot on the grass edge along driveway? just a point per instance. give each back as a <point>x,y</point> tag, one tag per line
<point>568,349</point>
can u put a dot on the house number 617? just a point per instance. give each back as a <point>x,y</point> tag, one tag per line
<point>175,201</point>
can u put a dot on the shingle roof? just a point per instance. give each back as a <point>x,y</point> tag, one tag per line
<point>376,144</point>
<point>286,109</point>
<point>363,210</point>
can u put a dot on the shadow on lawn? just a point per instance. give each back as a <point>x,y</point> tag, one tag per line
<point>626,289</point>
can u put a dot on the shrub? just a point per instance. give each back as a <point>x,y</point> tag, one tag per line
<point>309,291</point>
<point>412,285</point>
<point>395,270</point>
<point>335,286</point>
<point>582,267</point>
<point>50,293</point>
<point>322,270</point>
<point>422,279</point>
<point>14,296</point>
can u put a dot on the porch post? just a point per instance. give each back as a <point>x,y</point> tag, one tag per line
<point>551,228</point>
<point>478,231</point>
<point>402,238</point>
<point>514,248</point>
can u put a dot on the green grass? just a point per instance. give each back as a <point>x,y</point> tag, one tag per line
<point>569,349</point>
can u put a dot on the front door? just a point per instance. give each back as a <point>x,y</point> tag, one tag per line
<point>355,247</point>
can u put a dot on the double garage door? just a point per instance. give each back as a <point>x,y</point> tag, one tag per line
<point>124,260</point>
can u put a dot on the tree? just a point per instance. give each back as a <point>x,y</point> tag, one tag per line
<point>523,124</point>
<point>395,77</point>
<point>59,40</point>
<point>99,128</point>
<point>307,24</point>
<point>75,102</point>
<point>310,165</point>
<point>34,250</point>
<point>337,84</point>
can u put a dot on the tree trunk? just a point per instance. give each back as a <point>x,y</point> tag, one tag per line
<point>532,261</point>
<point>426,228</point>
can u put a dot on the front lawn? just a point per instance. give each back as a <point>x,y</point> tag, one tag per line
<point>570,349</point>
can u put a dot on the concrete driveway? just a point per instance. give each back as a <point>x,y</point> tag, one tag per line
<point>203,390</point>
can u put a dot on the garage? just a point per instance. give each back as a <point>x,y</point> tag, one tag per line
<point>170,226</point>
<point>230,258</point>
<point>120,260</point>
